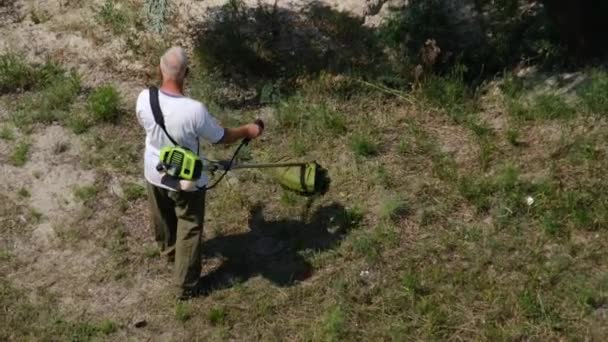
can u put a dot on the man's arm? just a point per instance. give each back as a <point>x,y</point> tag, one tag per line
<point>250,131</point>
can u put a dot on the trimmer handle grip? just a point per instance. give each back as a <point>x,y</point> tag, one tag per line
<point>260,124</point>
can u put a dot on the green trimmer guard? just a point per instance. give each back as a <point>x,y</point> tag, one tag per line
<point>300,178</point>
<point>304,178</point>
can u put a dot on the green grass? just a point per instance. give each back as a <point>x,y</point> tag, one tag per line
<point>450,94</point>
<point>299,113</point>
<point>41,320</point>
<point>593,93</point>
<point>363,146</point>
<point>183,311</point>
<point>217,316</point>
<point>54,91</point>
<point>134,191</point>
<point>6,133</point>
<point>86,193</point>
<point>114,15</point>
<point>105,104</point>
<point>78,122</point>
<point>333,324</point>
<point>17,75</point>
<point>23,193</point>
<point>514,137</point>
<point>116,155</point>
<point>542,107</point>
<point>151,252</point>
<point>19,156</point>
<point>393,208</point>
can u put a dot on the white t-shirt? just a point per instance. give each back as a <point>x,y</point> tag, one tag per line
<point>185,119</point>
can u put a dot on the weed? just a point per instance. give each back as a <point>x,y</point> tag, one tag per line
<point>5,255</point>
<point>24,193</point>
<point>60,93</point>
<point>6,133</point>
<point>363,147</point>
<point>114,16</point>
<point>105,104</point>
<point>412,285</point>
<point>39,16</point>
<point>404,146</point>
<point>20,154</point>
<point>513,137</point>
<point>512,86</point>
<point>15,74</point>
<point>450,94</point>
<point>334,324</point>
<point>183,311</point>
<point>383,176</point>
<point>367,246</point>
<point>353,216</point>
<point>107,327</point>
<point>289,198</point>
<point>86,193</point>
<point>300,113</point>
<point>393,208</point>
<point>299,147</point>
<point>78,123</point>
<point>151,252</point>
<point>551,225</point>
<point>551,106</point>
<point>593,94</point>
<point>486,151</point>
<point>133,191</point>
<point>61,147</point>
<point>216,316</point>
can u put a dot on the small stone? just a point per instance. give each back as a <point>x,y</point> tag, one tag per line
<point>529,200</point>
<point>140,323</point>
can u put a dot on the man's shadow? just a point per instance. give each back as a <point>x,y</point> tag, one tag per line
<point>272,248</point>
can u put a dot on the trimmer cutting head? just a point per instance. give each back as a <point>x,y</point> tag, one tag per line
<point>307,179</point>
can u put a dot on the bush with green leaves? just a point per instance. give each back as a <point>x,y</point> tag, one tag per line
<point>105,104</point>
<point>486,36</point>
<point>269,47</point>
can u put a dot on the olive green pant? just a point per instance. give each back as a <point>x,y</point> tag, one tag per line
<point>177,221</point>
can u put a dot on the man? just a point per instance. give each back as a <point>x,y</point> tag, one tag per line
<point>177,214</point>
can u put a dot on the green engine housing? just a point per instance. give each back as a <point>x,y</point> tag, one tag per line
<point>181,163</point>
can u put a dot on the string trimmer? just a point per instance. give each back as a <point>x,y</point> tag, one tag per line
<point>306,178</point>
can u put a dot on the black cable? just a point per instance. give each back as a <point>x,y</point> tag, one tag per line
<point>238,149</point>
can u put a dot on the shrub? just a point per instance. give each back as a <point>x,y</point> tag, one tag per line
<point>486,37</point>
<point>105,104</point>
<point>268,48</point>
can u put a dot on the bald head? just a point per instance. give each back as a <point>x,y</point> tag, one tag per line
<point>173,64</point>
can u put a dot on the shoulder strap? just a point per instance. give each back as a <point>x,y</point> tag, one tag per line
<point>158,114</point>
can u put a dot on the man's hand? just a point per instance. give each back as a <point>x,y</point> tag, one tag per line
<point>256,129</point>
<point>250,131</point>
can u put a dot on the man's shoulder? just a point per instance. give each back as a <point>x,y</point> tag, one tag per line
<point>194,106</point>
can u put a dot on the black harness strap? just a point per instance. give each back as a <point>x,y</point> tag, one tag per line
<point>158,114</point>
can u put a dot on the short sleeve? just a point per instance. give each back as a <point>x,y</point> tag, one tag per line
<point>207,126</point>
<point>139,107</point>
